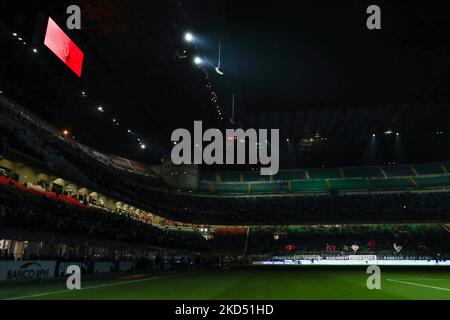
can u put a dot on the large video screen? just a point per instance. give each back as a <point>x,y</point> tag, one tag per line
<point>63,47</point>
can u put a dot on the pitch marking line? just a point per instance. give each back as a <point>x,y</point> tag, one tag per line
<point>94,287</point>
<point>418,284</point>
<point>422,279</point>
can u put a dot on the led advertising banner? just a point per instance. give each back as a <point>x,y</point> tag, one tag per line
<point>63,47</point>
<point>26,270</point>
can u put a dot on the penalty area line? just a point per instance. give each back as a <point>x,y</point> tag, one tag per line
<point>418,284</point>
<point>93,287</point>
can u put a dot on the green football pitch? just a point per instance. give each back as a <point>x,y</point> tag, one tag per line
<point>301,283</point>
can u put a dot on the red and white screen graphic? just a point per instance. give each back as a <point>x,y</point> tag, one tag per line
<point>63,47</point>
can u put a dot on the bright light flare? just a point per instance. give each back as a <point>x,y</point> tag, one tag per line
<point>189,37</point>
<point>198,60</point>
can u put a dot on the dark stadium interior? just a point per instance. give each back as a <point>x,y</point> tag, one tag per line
<point>392,80</point>
<point>86,173</point>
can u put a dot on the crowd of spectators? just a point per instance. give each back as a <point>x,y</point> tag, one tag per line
<point>355,208</point>
<point>24,210</point>
<point>75,162</point>
<point>413,241</point>
<point>93,170</point>
<point>72,161</point>
<point>27,211</point>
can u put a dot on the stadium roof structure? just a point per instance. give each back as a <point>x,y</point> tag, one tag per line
<point>356,123</point>
<point>317,73</point>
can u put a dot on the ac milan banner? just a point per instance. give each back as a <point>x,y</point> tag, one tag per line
<point>63,47</point>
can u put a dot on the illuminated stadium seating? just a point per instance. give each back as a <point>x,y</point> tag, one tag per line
<point>205,187</point>
<point>433,181</point>
<point>230,177</point>
<point>284,175</point>
<point>364,172</point>
<point>42,193</point>
<point>387,178</point>
<point>308,185</point>
<point>428,169</point>
<point>271,187</point>
<point>392,184</point>
<point>324,174</point>
<point>232,188</point>
<point>446,167</point>
<point>349,184</point>
<point>304,195</point>
<point>398,171</point>
<point>255,176</point>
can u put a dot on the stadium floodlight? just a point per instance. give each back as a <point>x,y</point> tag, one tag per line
<point>198,60</point>
<point>189,37</point>
<point>218,70</point>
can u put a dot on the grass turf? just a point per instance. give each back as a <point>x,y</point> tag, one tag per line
<point>301,283</point>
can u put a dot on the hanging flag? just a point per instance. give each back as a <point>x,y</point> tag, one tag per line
<point>290,248</point>
<point>397,248</point>
<point>372,245</point>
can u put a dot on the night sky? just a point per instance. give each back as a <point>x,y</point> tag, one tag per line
<point>318,54</point>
